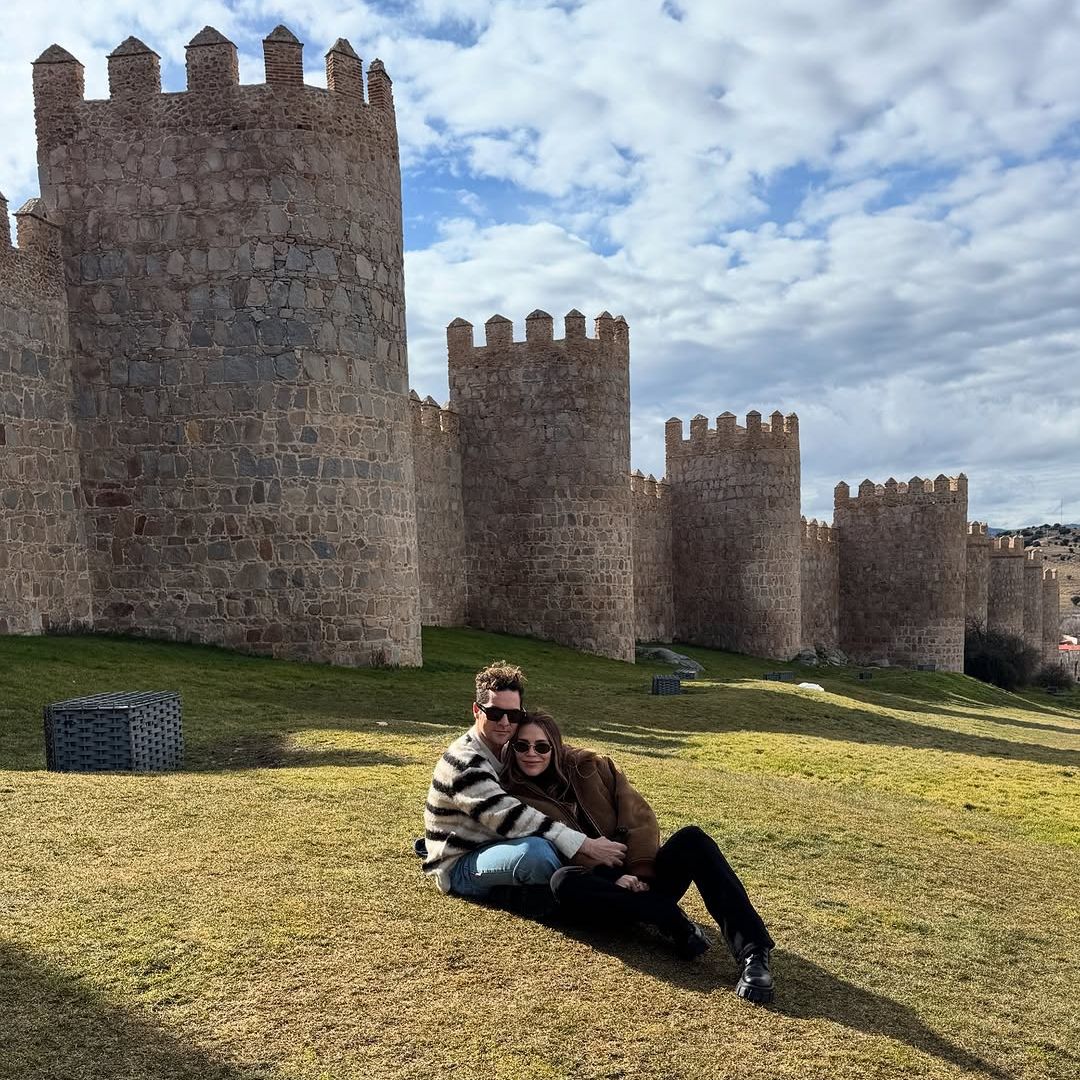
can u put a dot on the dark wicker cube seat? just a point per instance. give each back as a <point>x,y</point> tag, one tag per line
<point>123,732</point>
<point>666,684</point>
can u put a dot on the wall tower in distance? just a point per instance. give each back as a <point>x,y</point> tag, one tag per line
<point>545,437</point>
<point>977,584</point>
<point>234,273</point>
<point>737,533</point>
<point>1033,599</point>
<point>44,577</point>
<point>903,566</point>
<point>1005,596</point>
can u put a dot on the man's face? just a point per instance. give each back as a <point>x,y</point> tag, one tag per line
<point>497,733</point>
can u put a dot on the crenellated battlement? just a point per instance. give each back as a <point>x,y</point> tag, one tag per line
<point>33,270</point>
<point>1007,547</point>
<point>213,87</point>
<point>1033,556</point>
<point>609,331</point>
<point>977,534</point>
<point>431,418</point>
<point>818,532</point>
<point>781,432</point>
<point>647,491</point>
<point>942,489</point>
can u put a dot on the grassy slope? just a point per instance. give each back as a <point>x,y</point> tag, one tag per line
<point>913,842</point>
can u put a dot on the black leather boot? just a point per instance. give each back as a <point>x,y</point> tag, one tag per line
<point>756,981</point>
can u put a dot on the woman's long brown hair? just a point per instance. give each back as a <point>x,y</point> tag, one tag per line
<point>553,779</point>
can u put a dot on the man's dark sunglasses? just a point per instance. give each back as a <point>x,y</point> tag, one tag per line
<point>521,746</point>
<point>495,713</point>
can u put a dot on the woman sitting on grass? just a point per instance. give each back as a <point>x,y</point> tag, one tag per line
<point>586,791</point>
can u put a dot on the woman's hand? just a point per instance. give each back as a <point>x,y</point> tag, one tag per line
<point>599,851</point>
<point>632,882</point>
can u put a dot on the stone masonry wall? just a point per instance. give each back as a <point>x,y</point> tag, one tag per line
<point>1005,597</point>
<point>234,268</point>
<point>44,578</point>
<point>440,518</point>
<point>903,566</point>
<point>654,612</point>
<point>1033,599</point>
<point>737,533</point>
<point>977,584</point>
<point>820,592</point>
<point>1051,613</point>
<point>545,435</point>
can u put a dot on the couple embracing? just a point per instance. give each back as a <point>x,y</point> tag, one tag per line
<point>514,815</point>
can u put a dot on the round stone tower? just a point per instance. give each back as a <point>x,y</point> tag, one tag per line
<point>737,533</point>
<point>977,582</point>
<point>234,269</point>
<point>1005,594</point>
<point>903,571</point>
<point>545,438</point>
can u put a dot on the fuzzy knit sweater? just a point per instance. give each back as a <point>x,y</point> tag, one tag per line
<point>467,808</point>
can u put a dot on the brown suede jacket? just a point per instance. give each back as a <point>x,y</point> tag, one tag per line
<point>606,800</point>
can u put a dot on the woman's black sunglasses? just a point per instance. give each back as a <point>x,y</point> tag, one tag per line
<point>495,713</point>
<point>541,746</point>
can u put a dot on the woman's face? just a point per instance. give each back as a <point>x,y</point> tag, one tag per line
<point>527,745</point>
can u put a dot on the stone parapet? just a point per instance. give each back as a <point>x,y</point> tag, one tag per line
<point>737,533</point>
<point>820,585</point>
<point>654,613</point>
<point>1051,614</point>
<point>235,278</point>
<point>440,516</point>
<point>903,569</point>
<point>1033,599</point>
<point>44,574</point>
<point>545,436</point>
<point>1006,588</point>
<point>977,581</point>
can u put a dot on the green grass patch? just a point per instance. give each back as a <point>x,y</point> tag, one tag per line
<point>913,842</point>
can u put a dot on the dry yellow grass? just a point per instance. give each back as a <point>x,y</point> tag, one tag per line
<point>914,843</point>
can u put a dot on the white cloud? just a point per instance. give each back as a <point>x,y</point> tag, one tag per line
<point>862,213</point>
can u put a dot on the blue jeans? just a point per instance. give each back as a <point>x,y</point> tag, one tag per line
<point>527,861</point>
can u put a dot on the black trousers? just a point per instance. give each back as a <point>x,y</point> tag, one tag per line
<point>691,856</point>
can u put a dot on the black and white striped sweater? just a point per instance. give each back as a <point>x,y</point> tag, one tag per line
<point>466,808</point>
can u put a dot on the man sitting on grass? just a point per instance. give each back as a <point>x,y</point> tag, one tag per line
<point>478,838</point>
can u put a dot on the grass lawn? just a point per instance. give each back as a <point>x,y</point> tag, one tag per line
<point>913,842</point>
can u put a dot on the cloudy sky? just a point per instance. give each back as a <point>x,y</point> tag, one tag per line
<point>863,211</point>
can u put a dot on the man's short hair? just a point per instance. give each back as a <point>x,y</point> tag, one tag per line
<point>499,675</point>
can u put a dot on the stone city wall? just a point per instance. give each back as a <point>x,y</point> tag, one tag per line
<point>234,271</point>
<point>545,436</point>
<point>440,517</point>
<point>1051,615</point>
<point>903,566</point>
<point>44,578</point>
<point>654,613</point>
<point>977,585</point>
<point>820,593</point>
<point>737,536</point>
<point>1005,596</point>
<point>1033,599</point>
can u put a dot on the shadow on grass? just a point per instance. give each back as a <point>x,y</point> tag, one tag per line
<point>53,1026</point>
<point>748,709</point>
<point>275,750</point>
<point>804,991</point>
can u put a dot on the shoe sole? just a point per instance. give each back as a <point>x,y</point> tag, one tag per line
<point>755,994</point>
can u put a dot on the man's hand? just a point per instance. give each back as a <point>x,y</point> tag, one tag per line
<point>632,882</point>
<point>602,852</point>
